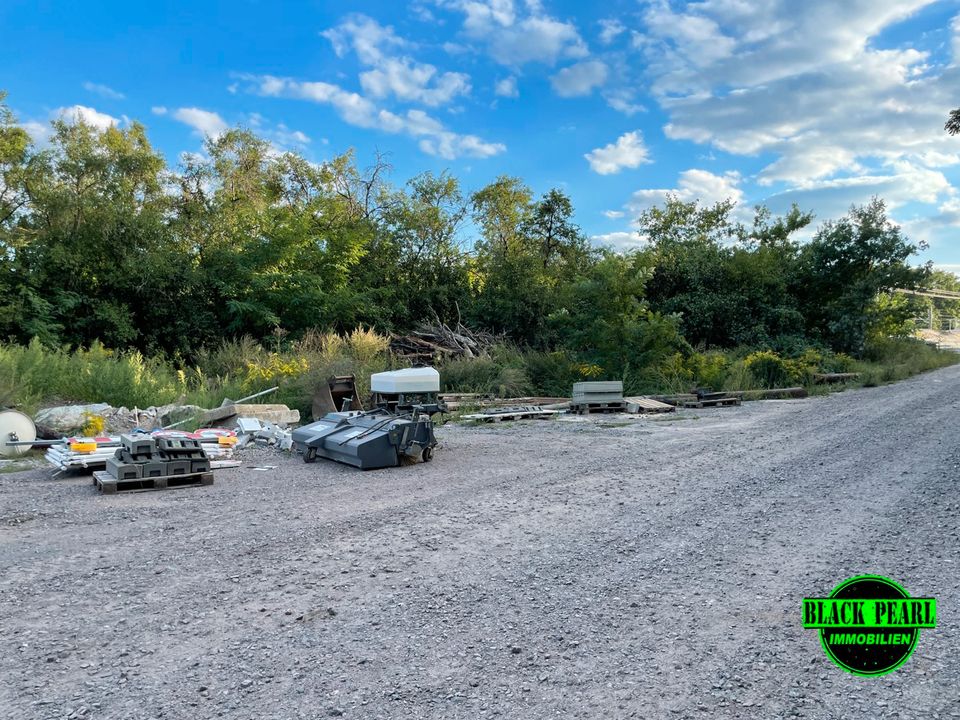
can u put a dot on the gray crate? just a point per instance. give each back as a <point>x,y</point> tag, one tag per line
<point>123,471</point>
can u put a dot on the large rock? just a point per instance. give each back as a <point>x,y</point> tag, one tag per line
<point>226,415</point>
<point>67,419</point>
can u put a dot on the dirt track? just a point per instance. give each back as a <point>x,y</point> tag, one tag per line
<point>542,569</point>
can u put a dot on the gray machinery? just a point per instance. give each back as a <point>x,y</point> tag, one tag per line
<point>399,430</point>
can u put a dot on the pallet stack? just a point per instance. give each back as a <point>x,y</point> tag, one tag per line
<point>144,462</point>
<point>597,396</point>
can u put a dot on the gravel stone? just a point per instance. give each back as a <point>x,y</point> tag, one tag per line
<point>643,567</point>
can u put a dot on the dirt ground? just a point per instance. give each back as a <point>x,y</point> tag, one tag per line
<point>601,568</point>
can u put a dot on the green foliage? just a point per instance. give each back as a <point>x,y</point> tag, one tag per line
<point>843,270</point>
<point>272,262</point>
<point>768,368</point>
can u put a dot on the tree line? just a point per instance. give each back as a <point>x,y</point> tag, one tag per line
<point>100,239</point>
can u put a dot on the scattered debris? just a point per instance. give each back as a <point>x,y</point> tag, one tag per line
<point>252,431</point>
<point>431,343</point>
<point>72,453</point>
<point>63,420</point>
<point>228,414</point>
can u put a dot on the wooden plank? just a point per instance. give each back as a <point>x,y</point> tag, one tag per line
<point>676,399</point>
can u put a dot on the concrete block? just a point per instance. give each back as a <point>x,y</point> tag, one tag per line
<point>123,471</point>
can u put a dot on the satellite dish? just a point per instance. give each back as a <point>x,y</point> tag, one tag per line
<point>15,427</point>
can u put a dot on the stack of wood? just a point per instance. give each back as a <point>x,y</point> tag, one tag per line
<point>433,342</point>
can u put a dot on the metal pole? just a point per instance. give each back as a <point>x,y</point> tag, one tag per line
<point>233,402</point>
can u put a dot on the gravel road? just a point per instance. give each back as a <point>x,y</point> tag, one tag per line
<point>600,568</point>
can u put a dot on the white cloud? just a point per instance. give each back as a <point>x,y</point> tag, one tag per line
<point>622,100</point>
<point>628,151</point>
<point>694,184</point>
<point>832,198</point>
<point>955,27</point>
<point>434,138</point>
<point>515,38</point>
<point>613,214</point>
<point>103,91</point>
<point>282,136</point>
<point>158,110</point>
<point>579,79</point>
<point>204,122</point>
<point>400,76</point>
<point>81,113</point>
<point>610,30</point>
<point>411,82</point>
<point>40,132</point>
<point>371,41</point>
<point>621,240</point>
<point>746,79</point>
<point>507,87</point>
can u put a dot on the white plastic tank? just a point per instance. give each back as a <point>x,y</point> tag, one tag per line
<point>407,381</point>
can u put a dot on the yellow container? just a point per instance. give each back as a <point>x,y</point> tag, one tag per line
<point>226,440</point>
<point>84,446</point>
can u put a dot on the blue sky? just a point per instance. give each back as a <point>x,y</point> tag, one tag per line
<point>822,103</point>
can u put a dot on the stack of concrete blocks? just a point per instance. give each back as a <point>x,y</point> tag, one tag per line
<point>597,394</point>
<point>146,457</point>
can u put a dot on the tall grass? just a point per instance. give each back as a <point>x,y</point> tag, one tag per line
<point>33,376</point>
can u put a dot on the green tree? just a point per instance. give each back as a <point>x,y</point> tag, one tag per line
<point>843,270</point>
<point>730,285</point>
<point>95,244</point>
<point>424,261</point>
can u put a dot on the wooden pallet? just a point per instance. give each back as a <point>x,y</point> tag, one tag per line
<point>521,413</point>
<point>603,407</point>
<point>109,485</point>
<point>647,405</point>
<point>713,402</point>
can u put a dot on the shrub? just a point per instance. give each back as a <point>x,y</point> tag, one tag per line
<point>768,368</point>
<point>553,374</point>
<point>709,368</point>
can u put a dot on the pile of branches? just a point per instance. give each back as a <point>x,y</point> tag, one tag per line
<point>437,341</point>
